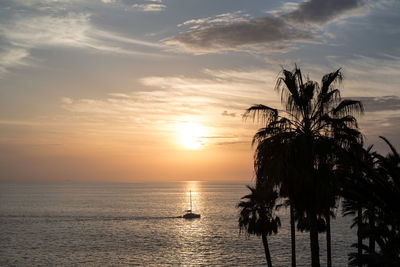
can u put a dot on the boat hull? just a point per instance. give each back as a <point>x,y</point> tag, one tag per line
<point>191,216</point>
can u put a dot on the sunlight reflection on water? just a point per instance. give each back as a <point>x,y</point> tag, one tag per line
<point>120,224</point>
<point>193,188</point>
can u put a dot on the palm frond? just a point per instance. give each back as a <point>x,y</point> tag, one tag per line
<point>330,79</point>
<point>348,107</point>
<point>262,113</point>
<point>392,148</point>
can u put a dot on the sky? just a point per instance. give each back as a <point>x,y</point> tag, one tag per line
<point>154,90</point>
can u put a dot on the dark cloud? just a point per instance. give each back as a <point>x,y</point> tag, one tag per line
<point>208,37</point>
<point>322,11</point>
<point>272,34</point>
<point>385,123</point>
<point>226,113</point>
<point>387,127</point>
<point>372,104</point>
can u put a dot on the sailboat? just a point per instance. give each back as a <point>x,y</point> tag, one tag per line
<point>189,214</point>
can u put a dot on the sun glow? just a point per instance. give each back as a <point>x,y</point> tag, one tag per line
<point>191,135</point>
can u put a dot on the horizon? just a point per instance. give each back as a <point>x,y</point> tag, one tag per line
<point>155,90</point>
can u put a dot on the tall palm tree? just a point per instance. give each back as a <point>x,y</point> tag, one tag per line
<point>315,123</point>
<point>257,216</point>
<point>271,164</point>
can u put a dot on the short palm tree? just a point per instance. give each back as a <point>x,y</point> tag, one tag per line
<point>257,215</point>
<point>357,171</point>
<point>374,199</point>
<point>316,125</point>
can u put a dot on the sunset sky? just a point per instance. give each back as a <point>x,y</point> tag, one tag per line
<point>140,90</point>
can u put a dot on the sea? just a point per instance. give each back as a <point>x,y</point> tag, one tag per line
<point>138,224</point>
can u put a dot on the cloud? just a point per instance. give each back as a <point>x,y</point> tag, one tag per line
<point>369,76</point>
<point>323,11</point>
<point>382,117</point>
<point>381,123</point>
<point>13,57</point>
<point>231,143</point>
<point>153,7</point>
<point>166,100</point>
<point>141,5</point>
<point>32,3</point>
<point>229,18</point>
<point>31,27</point>
<point>226,140</point>
<point>214,35</point>
<point>71,30</point>
<point>280,32</point>
<point>384,103</point>
<point>226,113</point>
<point>286,8</point>
<point>223,86</point>
<point>34,31</point>
<point>67,100</point>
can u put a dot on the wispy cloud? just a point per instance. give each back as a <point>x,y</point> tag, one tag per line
<point>168,100</point>
<point>369,76</point>
<point>34,31</point>
<point>178,96</point>
<point>13,57</point>
<point>141,5</point>
<point>229,18</point>
<point>229,92</point>
<point>383,103</point>
<point>381,118</point>
<point>150,7</point>
<point>31,26</point>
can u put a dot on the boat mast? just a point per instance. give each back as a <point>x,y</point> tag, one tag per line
<point>190,200</point>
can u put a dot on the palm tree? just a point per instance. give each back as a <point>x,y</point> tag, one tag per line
<point>256,215</point>
<point>384,210</point>
<point>271,164</point>
<point>357,170</point>
<point>376,194</point>
<point>315,125</point>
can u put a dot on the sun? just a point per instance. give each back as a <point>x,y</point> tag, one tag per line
<point>191,135</point>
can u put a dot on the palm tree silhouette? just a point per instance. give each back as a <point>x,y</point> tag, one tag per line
<point>373,194</point>
<point>386,232</point>
<point>315,127</point>
<point>257,216</point>
<point>271,164</point>
<point>357,170</point>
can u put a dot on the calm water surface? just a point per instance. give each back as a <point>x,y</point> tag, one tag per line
<point>133,224</point>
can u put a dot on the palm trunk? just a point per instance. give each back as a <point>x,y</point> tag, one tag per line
<point>266,249</point>
<point>314,244</point>
<point>371,234</point>
<point>328,241</point>
<point>359,238</point>
<point>293,236</point>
